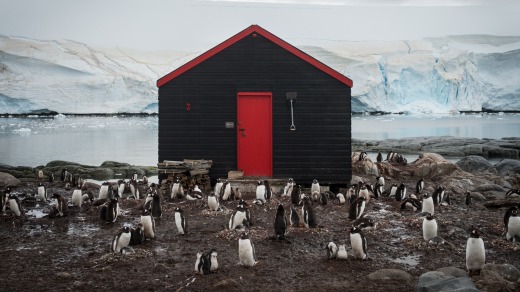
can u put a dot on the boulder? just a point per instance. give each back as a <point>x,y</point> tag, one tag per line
<point>491,281</point>
<point>454,272</point>
<point>508,167</point>
<point>437,281</point>
<point>8,180</point>
<point>390,274</point>
<point>432,165</point>
<point>475,164</point>
<point>506,271</point>
<point>364,167</point>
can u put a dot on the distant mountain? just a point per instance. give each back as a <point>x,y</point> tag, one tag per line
<point>433,75</point>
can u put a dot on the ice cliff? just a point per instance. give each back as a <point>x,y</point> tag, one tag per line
<point>433,75</point>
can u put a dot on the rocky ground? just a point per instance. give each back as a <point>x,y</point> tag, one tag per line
<point>73,253</point>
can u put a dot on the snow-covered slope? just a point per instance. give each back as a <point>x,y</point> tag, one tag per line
<point>434,75</point>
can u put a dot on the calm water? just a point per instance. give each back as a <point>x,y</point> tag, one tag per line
<point>92,140</point>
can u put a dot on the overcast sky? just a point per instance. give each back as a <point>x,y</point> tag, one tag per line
<point>201,24</point>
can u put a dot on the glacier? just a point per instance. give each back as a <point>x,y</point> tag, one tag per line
<point>432,75</point>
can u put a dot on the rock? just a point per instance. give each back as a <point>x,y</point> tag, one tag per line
<point>506,271</point>
<point>475,164</point>
<point>390,274</point>
<point>226,284</point>
<point>8,180</point>
<point>64,275</point>
<point>492,281</point>
<point>489,188</point>
<point>365,167</point>
<point>112,164</point>
<point>432,165</point>
<point>454,272</point>
<point>160,268</point>
<point>436,281</point>
<point>508,167</point>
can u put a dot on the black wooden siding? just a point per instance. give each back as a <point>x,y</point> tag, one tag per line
<point>320,148</point>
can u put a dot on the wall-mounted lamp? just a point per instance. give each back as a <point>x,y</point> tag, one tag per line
<point>291,97</point>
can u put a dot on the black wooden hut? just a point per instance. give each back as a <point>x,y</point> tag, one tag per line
<point>258,104</point>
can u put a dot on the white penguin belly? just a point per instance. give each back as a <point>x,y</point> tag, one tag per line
<point>513,227</point>
<point>103,192</point>
<point>14,207</point>
<point>212,203</point>
<point>429,229</point>
<point>245,253</point>
<point>428,206</point>
<point>41,193</point>
<point>178,223</point>
<point>148,226</point>
<point>260,193</point>
<point>124,241</point>
<point>77,198</point>
<point>357,246</point>
<point>342,253</point>
<point>475,254</point>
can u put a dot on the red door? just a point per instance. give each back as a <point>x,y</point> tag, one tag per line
<point>254,133</point>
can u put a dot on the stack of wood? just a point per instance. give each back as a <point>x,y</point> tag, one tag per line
<point>191,172</point>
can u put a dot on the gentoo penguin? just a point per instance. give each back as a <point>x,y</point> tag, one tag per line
<point>332,250</point>
<point>61,205</point>
<point>340,198</point>
<point>351,194</point>
<point>411,203</point>
<point>513,226</point>
<point>378,190</point>
<point>14,205</point>
<point>393,190</point>
<point>356,208</point>
<point>64,175</point>
<point>400,193</point>
<point>112,210</point>
<point>213,203</point>
<point>134,190</point>
<point>379,157</point>
<point>226,191</point>
<point>103,191</point>
<point>199,263</point>
<point>419,186</point>
<point>156,205</point>
<point>315,190</point>
<point>359,243</point>
<point>268,190</point>
<point>134,177</point>
<point>429,227</point>
<point>309,218</point>
<point>295,195</point>
<point>363,192</point>
<point>468,199</point>
<point>39,175</point>
<point>176,190</point>
<point>218,186</point>
<point>427,204</point>
<point>438,195</point>
<point>148,224</point>
<point>475,253</point>
<point>238,219</point>
<point>287,190</point>
<point>246,251</point>
<point>342,252</point>
<point>121,186</point>
<point>193,195</point>
<point>42,192</point>
<point>280,222</point>
<point>362,156</point>
<point>137,234</point>
<point>381,180</point>
<point>121,239</point>
<point>211,262</point>
<point>512,193</point>
<point>51,177</point>
<point>77,198</point>
<point>5,199</point>
<point>238,194</point>
<point>324,198</point>
<point>294,218</point>
<point>180,221</point>
<point>260,191</point>
<point>365,223</point>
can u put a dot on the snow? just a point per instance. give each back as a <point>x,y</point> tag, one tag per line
<point>432,75</point>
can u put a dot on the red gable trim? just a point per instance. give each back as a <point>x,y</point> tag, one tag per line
<point>254,29</point>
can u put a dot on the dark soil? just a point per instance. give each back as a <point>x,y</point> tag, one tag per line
<point>73,253</point>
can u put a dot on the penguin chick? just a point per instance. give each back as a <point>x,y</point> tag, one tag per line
<point>332,250</point>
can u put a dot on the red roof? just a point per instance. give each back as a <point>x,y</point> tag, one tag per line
<point>254,29</point>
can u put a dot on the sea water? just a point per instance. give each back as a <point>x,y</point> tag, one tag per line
<point>91,140</point>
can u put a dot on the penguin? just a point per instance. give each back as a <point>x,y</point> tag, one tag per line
<point>121,186</point>
<point>199,264</point>
<point>134,177</point>
<point>340,199</point>
<point>429,227</point>
<point>87,197</point>
<point>390,156</point>
<point>5,199</point>
<point>513,226</point>
<point>80,182</point>
<point>419,186</point>
<point>365,223</point>
<point>14,205</point>
<point>378,190</point>
<point>51,177</point>
<point>468,199</point>
<point>280,223</point>
<point>77,198</point>
<point>42,192</point>
<point>324,198</point>
<point>137,234</point>
<point>342,252</point>
<point>332,250</point>
<point>400,193</point>
<point>148,224</point>
<point>238,194</point>
<point>180,221</point>
<point>112,210</point>
<point>356,208</point>
<point>246,251</point>
<point>512,193</point>
<point>295,195</point>
<point>134,190</point>
<point>438,195</point>
<point>194,195</point>
<point>145,180</point>
<point>225,191</point>
<point>176,190</point>
<point>427,204</point>
<point>508,214</point>
<point>309,217</point>
<point>103,191</point>
<point>359,243</point>
<point>64,174</point>
<point>393,190</point>
<point>210,262</point>
<point>156,205</point>
<point>363,192</point>
<point>268,190</point>
<point>287,190</point>
<point>381,180</point>
<point>379,158</point>
<point>238,219</point>
<point>213,203</point>
<point>412,203</point>
<point>315,190</point>
<point>121,239</point>
<point>61,205</point>
<point>475,253</point>
<point>294,218</point>
<point>362,156</point>
<point>260,191</point>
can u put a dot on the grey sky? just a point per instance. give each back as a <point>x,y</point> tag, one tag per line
<point>200,24</point>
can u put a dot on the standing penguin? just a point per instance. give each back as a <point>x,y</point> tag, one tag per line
<point>419,186</point>
<point>103,191</point>
<point>211,262</point>
<point>379,157</point>
<point>180,221</point>
<point>5,199</point>
<point>137,234</point>
<point>77,198</point>
<point>287,190</point>
<point>121,239</point>
<point>315,190</point>
<point>427,204</point>
<point>468,199</point>
<point>238,194</point>
<point>260,191</point>
<point>363,192</point>
<point>295,195</point>
<point>199,263</point>
<point>438,195</point>
<point>393,190</point>
<point>121,186</point>
<point>14,205</point>
<point>51,177</point>
<point>280,223</point>
<point>112,210</point>
<point>359,243</point>
<point>239,218</point>
<point>148,224</point>
<point>378,190</point>
<point>156,205</point>
<point>429,227</point>
<point>342,252</point>
<point>42,192</point>
<point>294,217</point>
<point>246,251</point>
<point>400,193</point>
<point>309,218</point>
<point>268,190</point>
<point>475,253</point>
<point>61,205</point>
<point>134,190</point>
<point>213,203</point>
<point>332,250</point>
<point>176,190</point>
<point>381,180</point>
<point>513,226</point>
<point>225,191</point>
<point>356,208</point>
